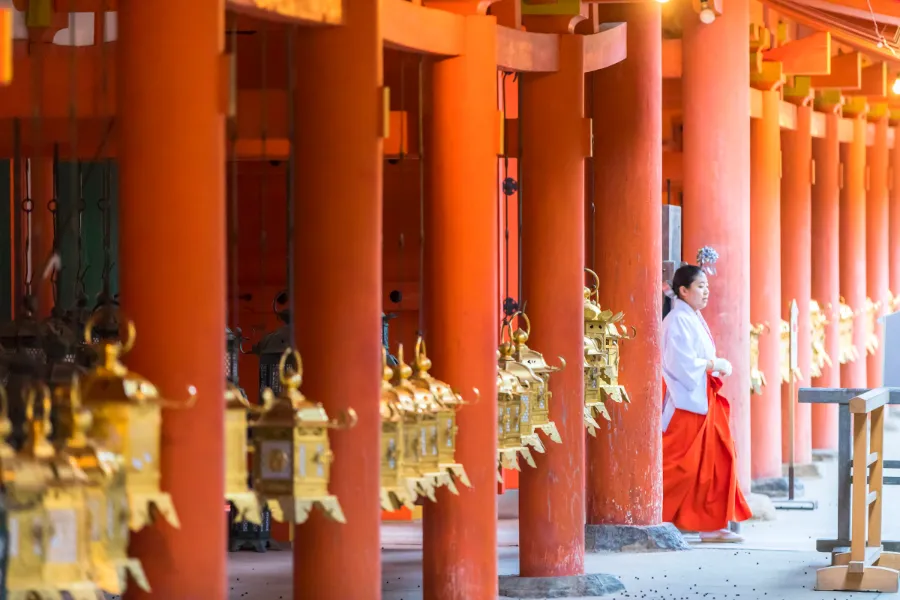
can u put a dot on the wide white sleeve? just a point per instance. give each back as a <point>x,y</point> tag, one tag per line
<point>680,360</point>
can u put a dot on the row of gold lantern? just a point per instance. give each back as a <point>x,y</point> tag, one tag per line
<point>523,397</point>
<point>873,310</point>
<point>818,322</point>
<point>602,334</point>
<point>757,377</point>
<point>72,504</point>
<point>848,352</point>
<point>418,432</point>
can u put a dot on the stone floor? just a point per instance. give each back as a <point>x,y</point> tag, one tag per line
<point>777,562</point>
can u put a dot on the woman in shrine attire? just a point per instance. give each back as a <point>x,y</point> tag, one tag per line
<point>700,487</point>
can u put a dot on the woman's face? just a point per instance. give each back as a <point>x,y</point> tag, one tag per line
<point>696,296</point>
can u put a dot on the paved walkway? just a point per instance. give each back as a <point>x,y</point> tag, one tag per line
<point>777,562</point>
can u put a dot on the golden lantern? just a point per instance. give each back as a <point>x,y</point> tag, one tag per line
<point>244,500</point>
<point>873,310</point>
<point>848,351</point>
<point>126,421</point>
<point>512,400</point>
<point>534,375</point>
<point>448,403</point>
<point>785,347</point>
<point>757,377</point>
<point>818,322</point>
<point>105,494</point>
<point>66,533</point>
<point>593,400</point>
<point>292,455</point>
<point>522,431</point>
<point>396,489</point>
<point>605,328</point>
<point>421,432</point>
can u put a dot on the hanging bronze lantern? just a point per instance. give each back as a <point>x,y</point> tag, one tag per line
<point>448,403</point>
<point>538,391</point>
<point>848,350</point>
<point>757,377</point>
<point>512,400</point>
<point>106,496</point>
<point>396,489</point>
<point>818,322</point>
<point>66,536</point>
<point>292,455</point>
<point>245,501</point>
<point>593,398</point>
<point>126,421</point>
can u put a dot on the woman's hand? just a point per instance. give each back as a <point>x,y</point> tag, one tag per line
<point>722,366</point>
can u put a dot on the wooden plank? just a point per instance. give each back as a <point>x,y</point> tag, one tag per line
<point>840,395</point>
<point>807,56</point>
<point>868,401</point>
<point>606,47</point>
<point>876,478</point>
<point>873,553</point>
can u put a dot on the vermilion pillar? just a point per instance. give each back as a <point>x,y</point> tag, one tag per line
<point>765,283</point>
<point>461,291</point>
<point>41,172</point>
<point>625,459</point>
<point>894,215</point>
<point>825,271</point>
<point>716,209</point>
<point>338,260</point>
<point>172,249</point>
<point>796,265</point>
<point>877,235</point>
<point>555,141</point>
<point>853,247</point>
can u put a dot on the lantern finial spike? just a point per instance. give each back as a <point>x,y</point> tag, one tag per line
<point>404,372</point>
<point>36,445</point>
<point>423,363</point>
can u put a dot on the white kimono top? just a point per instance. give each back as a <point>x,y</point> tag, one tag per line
<point>687,348</point>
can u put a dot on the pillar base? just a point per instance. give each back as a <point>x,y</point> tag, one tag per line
<point>775,487</point>
<point>633,538</point>
<point>807,471</point>
<point>575,586</point>
<point>824,455</point>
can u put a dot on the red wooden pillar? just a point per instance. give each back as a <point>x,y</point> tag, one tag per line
<point>624,476</point>
<point>877,235</point>
<point>41,172</point>
<point>765,283</point>
<point>826,272</point>
<point>716,209</point>
<point>461,292</point>
<point>172,249</point>
<point>338,266</point>
<point>894,215</point>
<point>796,265</point>
<point>853,247</point>
<point>555,141</point>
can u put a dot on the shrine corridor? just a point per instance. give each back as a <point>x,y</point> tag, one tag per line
<point>777,562</point>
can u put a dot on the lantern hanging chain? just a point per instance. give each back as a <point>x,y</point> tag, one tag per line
<point>27,209</point>
<point>520,187</point>
<point>233,200</point>
<point>105,207</point>
<point>592,165</point>
<point>81,268</point>
<point>264,136</point>
<point>420,117</point>
<point>502,92</point>
<point>291,182</point>
<point>51,269</point>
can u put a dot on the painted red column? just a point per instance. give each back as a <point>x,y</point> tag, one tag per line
<point>338,266</point>
<point>796,265</point>
<point>41,172</point>
<point>894,215</point>
<point>765,283</point>
<point>463,320</point>
<point>625,459</point>
<point>877,236</point>
<point>716,209</point>
<point>171,136</point>
<point>555,141</point>
<point>826,272</point>
<point>853,247</point>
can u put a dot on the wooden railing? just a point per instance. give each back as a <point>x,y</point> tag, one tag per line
<point>866,567</point>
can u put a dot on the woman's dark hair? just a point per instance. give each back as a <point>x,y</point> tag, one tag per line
<point>685,277</point>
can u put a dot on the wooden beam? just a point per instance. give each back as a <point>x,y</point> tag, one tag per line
<point>874,81</point>
<point>807,56</point>
<point>846,73</point>
<point>606,47</point>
